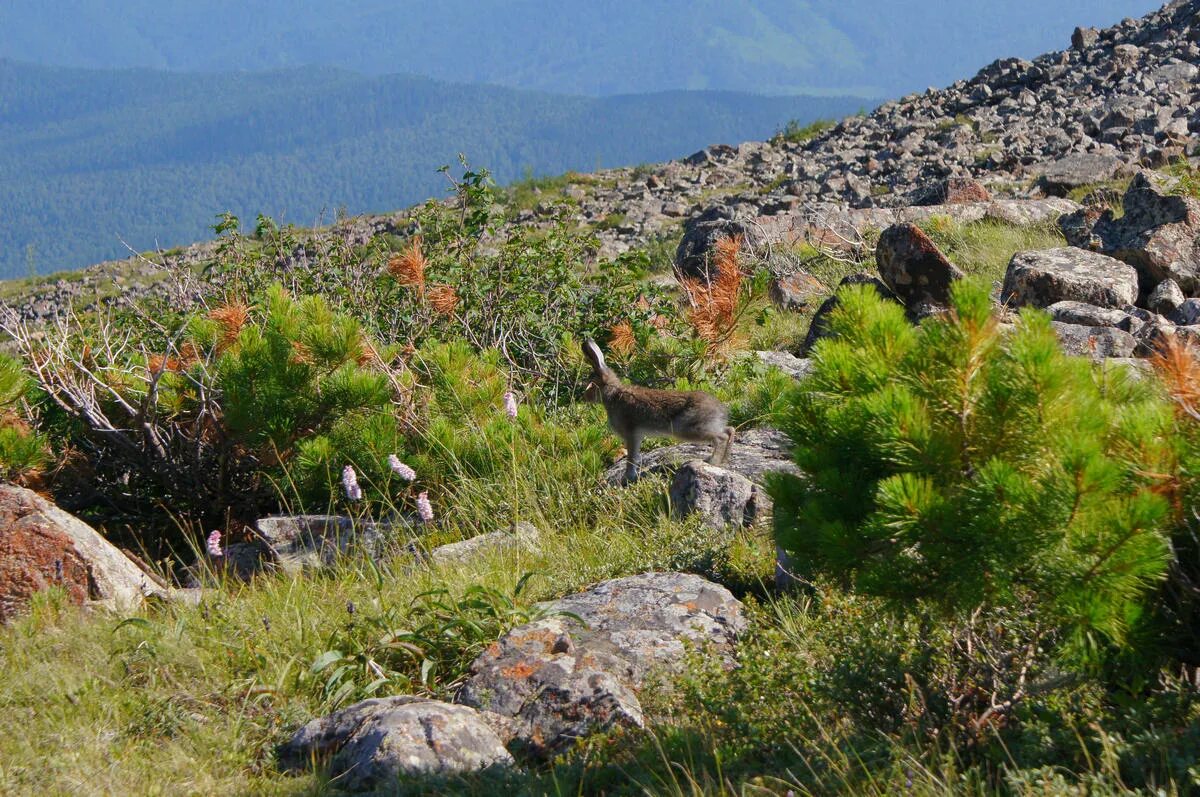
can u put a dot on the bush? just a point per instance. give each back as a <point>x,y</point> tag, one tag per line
<point>954,467</point>
<point>237,404</point>
<point>23,452</point>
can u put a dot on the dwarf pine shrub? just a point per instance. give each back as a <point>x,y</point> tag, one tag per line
<point>22,450</point>
<point>955,466</point>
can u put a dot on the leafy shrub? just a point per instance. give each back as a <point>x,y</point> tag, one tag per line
<point>238,401</point>
<point>953,467</point>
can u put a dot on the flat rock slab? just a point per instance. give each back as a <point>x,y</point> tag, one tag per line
<point>559,680</point>
<point>755,452</point>
<point>1095,342</point>
<point>835,226</point>
<point>42,546</point>
<point>1043,278</point>
<point>373,743</point>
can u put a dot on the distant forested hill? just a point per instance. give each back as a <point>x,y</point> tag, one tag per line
<point>595,47</point>
<point>88,158</point>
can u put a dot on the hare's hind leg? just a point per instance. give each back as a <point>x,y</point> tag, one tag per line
<point>633,457</point>
<point>722,444</point>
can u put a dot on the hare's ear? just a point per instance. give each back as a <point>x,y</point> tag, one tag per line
<point>593,354</point>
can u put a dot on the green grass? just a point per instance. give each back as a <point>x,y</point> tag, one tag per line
<point>796,133</point>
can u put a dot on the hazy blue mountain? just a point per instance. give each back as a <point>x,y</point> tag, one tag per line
<point>88,158</point>
<point>866,47</point>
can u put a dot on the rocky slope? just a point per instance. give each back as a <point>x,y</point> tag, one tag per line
<point>1114,101</point>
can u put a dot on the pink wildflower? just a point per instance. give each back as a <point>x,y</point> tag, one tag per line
<point>424,508</point>
<point>350,482</point>
<point>214,544</point>
<point>510,405</point>
<point>400,469</point>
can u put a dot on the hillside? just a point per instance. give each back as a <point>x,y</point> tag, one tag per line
<point>864,460</point>
<point>574,47</point>
<point>91,158</point>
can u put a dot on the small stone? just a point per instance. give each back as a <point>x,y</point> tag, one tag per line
<point>372,743</point>
<point>722,498</point>
<point>1165,298</point>
<point>795,291</point>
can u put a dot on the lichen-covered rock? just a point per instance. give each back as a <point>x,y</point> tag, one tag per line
<point>1166,297</point>
<point>754,453</point>
<point>373,743</point>
<point>42,546</point>
<point>1095,342</point>
<point>522,536</point>
<point>914,268</point>
<point>1159,233</point>
<point>721,497</point>
<point>1061,176</point>
<point>560,680</point>
<point>1088,315</point>
<point>1043,278</point>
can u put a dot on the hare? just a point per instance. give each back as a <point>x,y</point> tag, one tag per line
<point>635,412</point>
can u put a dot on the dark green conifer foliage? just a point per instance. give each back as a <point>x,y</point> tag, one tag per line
<point>954,466</point>
<point>22,450</point>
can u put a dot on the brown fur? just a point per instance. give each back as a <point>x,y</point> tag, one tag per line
<point>636,412</point>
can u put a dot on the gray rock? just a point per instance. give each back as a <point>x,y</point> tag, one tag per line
<point>721,497</point>
<point>295,543</point>
<point>523,536</point>
<point>1094,342</point>
<point>373,743</point>
<point>914,268</point>
<point>1065,174</point>
<point>559,680</point>
<point>755,452</point>
<point>1165,298</point>
<point>1159,233</point>
<point>795,291</point>
<point>795,367</point>
<point>693,257</point>
<point>1077,227</point>
<point>818,328</point>
<point>1186,314</point>
<point>1087,314</point>
<point>1043,278</point>
<point>1084,38</point>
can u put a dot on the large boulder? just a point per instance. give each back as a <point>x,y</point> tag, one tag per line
<point>1068,274</point>
<point>1159,233</point>
<point>1062,176</point>
<point>914,268</point>
<point>721,497</point>
<point>373,743</point>
<point>42,546</point>
<point>1166,297</point>
<point>559,679</point>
